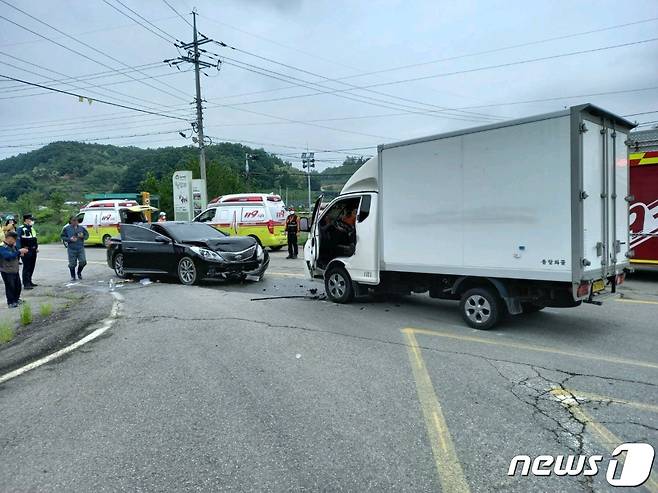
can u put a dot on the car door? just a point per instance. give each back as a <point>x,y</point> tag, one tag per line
<point>145,250</point>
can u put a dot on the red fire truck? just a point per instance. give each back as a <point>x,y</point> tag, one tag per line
<point>643,160</point>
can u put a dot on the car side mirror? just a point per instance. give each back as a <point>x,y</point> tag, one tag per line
<point>304,225</point>
<point>162,239</point>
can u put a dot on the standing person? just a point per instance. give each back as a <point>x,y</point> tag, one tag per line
<point>162,217</point>
<point>9,268</point>
<point>27,238</point>
<point>10,225</point>
<point>74,236</point>
<point>292,228</point>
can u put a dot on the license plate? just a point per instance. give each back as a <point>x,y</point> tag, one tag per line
<point>598,286</point>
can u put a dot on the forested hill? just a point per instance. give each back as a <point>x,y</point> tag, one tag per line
<point>75,168</point>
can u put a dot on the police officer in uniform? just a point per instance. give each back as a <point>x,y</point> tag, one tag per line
<point>292,228</point>
<point>27,238</point>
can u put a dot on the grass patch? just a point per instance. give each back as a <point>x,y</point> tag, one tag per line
<point>6,332</point>
<point>46,309</point>
<point>26,314</point>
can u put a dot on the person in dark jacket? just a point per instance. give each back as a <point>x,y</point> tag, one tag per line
<point>74,236</point>
<point>27,238</point>
<point>9,268</point>
<point>292,228</point>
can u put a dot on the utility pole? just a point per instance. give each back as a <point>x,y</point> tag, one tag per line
<point>193,56</point>
<point>199,110</point>
<point>308,162</point>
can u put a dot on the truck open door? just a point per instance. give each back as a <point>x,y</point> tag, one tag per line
<point>312,246</point>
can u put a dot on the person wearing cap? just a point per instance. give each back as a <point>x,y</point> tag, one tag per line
<point>74,236</point>
<point>162,217</point>
<point>27,238</point>
<point>9,254</point>
<point>292,228</point>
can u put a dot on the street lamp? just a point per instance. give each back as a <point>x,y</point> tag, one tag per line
<point>308,162</point>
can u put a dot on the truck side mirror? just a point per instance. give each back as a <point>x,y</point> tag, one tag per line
<point>304,225</point>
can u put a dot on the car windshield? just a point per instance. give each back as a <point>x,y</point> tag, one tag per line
<point>192,231</point>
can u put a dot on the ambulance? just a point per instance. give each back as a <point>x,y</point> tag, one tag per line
<point>102,218</point>
<point>259,215</point>
<point>643,161</point>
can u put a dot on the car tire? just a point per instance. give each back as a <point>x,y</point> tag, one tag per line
<point>529,307</point>
<point>481,308</point>
<point>338,285</point>
<point>276,248</point>
<point>106,240</point>
<point>117,264</point>
<point>187,271</point>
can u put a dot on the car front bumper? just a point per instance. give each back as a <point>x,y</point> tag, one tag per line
<point>227,270</point>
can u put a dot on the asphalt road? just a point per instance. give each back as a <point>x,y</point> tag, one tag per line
<point>207,389</point>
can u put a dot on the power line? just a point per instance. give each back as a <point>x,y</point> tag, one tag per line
<point>457,72</point>
<point>93,99</point>
<point>353,97</point>
<point>392,96</point>
<point>82,43</point>
<point>81,78</point>
<point>450,58</point>
<point>503,48</point>
<point>74,131</point>
<point>92,86</point>
<point>30,144</point>
<point>561,98</point>
<point>145,20</point>
<point>642,113</point>
<point>83,33</point>
<point>178,13</point>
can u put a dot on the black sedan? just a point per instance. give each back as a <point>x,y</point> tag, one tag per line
<point>188,251</point>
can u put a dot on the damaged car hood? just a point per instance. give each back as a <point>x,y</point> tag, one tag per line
<point>228,244</point>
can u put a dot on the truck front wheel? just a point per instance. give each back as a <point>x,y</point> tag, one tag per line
<point>338,285</point>
<point>481,308</point>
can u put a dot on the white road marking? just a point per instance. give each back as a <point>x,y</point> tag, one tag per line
<point>66,260</point>
<point>105,325</point>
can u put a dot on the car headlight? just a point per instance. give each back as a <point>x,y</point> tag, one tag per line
<point>260,253</point>
<point>207,254</point>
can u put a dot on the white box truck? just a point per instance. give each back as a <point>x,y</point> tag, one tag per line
<point>506,218</point>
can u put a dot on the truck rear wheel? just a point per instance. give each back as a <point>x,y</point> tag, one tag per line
<point>338,285</point>
<point>481,308</point>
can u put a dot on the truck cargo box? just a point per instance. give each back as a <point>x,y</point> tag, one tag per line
<point>541,198</point>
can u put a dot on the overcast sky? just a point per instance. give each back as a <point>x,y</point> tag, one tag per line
<point>309,42</point>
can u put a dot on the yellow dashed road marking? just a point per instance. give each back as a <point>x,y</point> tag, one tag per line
<point>540,349</point>
<point>448,466</point>
<point>601,434</point>
<point>597,397</point>
<point>642,302</point>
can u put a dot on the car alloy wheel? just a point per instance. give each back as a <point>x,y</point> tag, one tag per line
<point>481,308</point>
<point>187,271</point>
<point>118,265</point>
<point>338,285</point>
<point>478,309</point>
